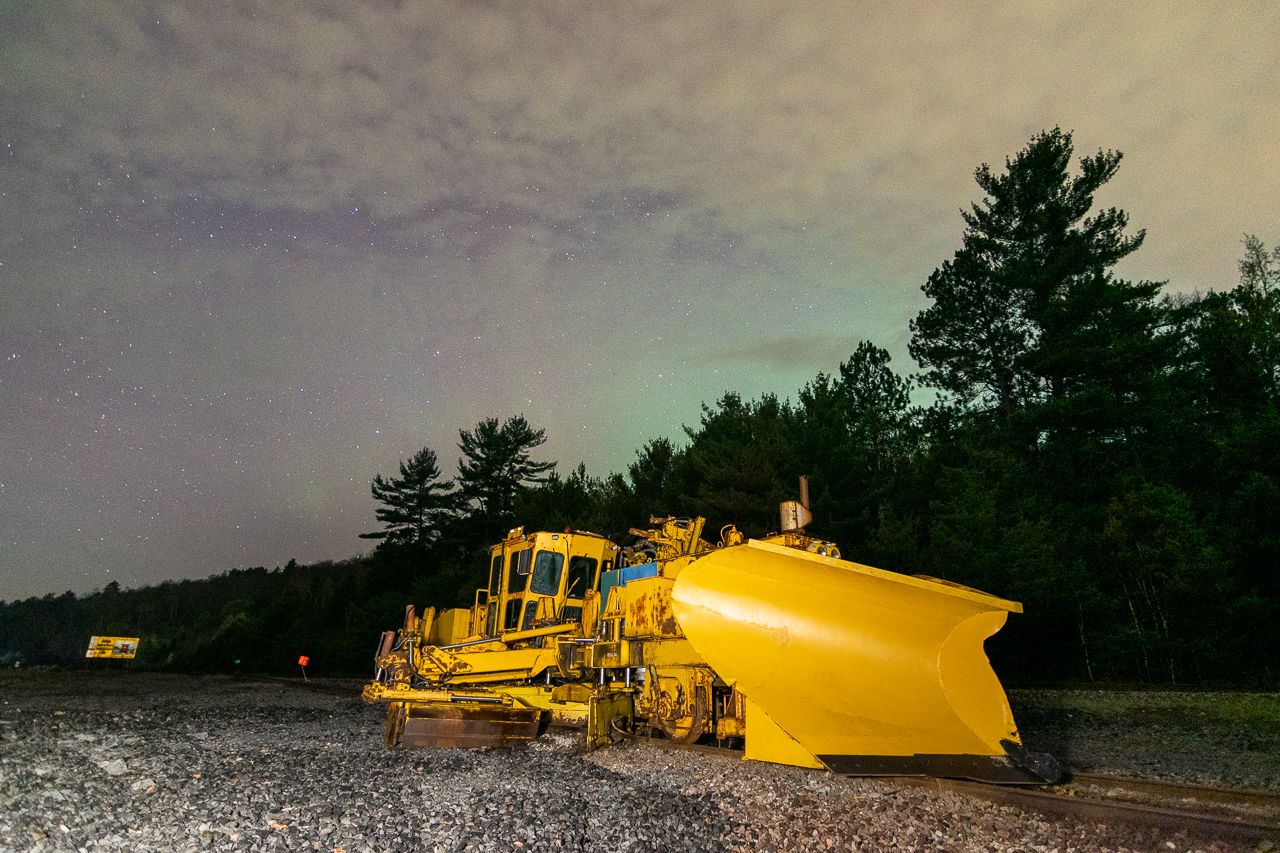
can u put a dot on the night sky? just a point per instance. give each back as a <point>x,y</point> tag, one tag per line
<point>253,253</point>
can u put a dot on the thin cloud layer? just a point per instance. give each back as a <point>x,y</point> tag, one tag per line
<point>864,121</point>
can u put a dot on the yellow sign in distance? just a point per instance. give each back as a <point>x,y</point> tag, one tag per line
<point>112,647</point>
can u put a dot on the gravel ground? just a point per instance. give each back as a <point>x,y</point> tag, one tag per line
<point>1228,739</point>
<point>128,762</point>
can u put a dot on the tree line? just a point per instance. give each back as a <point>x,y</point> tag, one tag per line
<point>1098,449</point>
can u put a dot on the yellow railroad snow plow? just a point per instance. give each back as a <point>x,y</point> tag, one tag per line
<point>805,658</point>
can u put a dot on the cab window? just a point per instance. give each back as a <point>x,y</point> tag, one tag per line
<point>511,619</point>
<point>495,577</point>
<point>546,573</point>
<point>582,572</point>
<point>517,579</point>
<point>530,610</point>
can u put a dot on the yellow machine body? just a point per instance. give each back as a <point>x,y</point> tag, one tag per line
<point>806,658</point>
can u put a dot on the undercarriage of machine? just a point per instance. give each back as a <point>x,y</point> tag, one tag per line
<point>777,644</point>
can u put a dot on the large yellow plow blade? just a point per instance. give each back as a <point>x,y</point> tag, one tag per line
<point>863,671</point>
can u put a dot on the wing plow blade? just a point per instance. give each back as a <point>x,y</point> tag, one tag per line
<point>871,672</point>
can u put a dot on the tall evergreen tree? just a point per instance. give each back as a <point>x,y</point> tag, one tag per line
<point>654,480</point>
<point>495,465</point>
<point>559,503</point>
<point>738,463</point>
<point>850,433</point>
<point>1027,311</point>
<point>1237,337</point>
<point>415,505</point>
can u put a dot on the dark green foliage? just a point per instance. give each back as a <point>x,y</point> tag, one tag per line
<point>1235,340</point>
<point>1098,439</point>
<point>1027,311</point>
<point>495,466</point>
<point>263,619</point>
<point>854,436</point>
<point>1161,569</point>
<point>655,485</point>
<point>561,504</point>
<point>738,464</point>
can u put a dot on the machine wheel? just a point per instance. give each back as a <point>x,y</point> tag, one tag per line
<point>672,729</point>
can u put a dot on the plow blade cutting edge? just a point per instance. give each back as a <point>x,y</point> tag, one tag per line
<point>859,670</point>
<point>464,725</point>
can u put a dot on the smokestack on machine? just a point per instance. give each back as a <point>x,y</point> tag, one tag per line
<point>795,514</point>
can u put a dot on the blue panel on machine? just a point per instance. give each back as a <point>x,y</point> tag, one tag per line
<point>644,570</point>
<point>620,577</point>
<point>608,580</point>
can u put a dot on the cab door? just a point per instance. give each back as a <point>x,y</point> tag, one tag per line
<point>544,582</point>
<point>519,566</point>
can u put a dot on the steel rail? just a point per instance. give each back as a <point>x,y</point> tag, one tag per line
<point>1195,822</point>
<point>1200,824</point>
<point>1181,790</point>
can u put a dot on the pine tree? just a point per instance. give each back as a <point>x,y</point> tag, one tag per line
<point>1027,312</point>
<point>495,465</point>
<point>851,433</point>
<point>416,505</point>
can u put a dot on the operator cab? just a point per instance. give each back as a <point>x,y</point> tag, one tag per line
<point>541,578</point>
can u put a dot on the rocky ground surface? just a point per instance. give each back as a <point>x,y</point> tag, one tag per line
<point>116,761</point>
<point>1226,739</point>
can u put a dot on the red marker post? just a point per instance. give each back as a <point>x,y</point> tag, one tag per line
<point>302,662</point>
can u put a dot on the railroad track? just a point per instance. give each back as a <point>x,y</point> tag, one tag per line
<point>1203,812</point>
<point>1233,799</point>
<point>1119,805</point>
